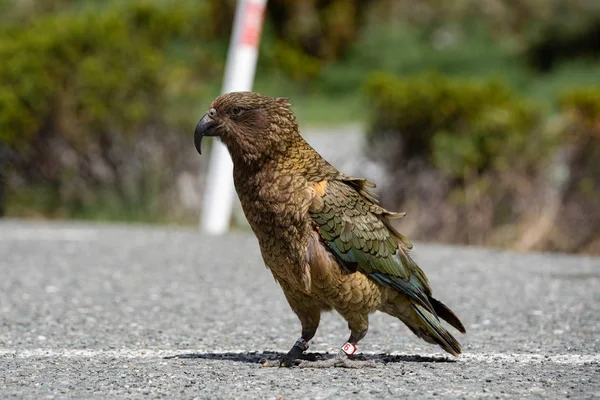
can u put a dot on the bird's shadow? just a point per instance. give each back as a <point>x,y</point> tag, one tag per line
<point>256,357</point>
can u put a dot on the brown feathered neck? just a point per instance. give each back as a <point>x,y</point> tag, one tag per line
<point>258,129</point>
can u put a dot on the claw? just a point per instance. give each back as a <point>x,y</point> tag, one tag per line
<point>284,361</point>
<point>269,363</point>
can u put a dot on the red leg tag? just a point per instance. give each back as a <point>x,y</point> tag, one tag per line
<point>349,348</point>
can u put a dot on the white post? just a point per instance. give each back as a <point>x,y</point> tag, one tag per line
<point>239,75</point>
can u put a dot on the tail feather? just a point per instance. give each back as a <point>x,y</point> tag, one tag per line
<point>446,314</point>
<point>437,332</point>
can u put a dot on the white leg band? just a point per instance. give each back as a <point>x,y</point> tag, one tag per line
<point>349,348</point>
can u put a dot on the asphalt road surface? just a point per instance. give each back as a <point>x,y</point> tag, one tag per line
<point>91,311</point>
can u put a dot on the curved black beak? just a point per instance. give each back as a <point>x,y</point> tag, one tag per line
<point>205,127</point>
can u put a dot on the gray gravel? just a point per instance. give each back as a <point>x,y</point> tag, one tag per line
<point>92,310</point>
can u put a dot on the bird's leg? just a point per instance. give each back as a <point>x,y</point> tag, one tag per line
<point>289,359</point>
<point>342,358</point>
<point>310,322</point>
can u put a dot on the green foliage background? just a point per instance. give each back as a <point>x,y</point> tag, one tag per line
<point>486,116</point>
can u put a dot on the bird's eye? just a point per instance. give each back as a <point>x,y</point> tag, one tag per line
<point>236,111</point>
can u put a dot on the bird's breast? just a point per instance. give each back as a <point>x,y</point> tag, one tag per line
<point>276,210</point>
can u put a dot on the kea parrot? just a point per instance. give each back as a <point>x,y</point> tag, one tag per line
<point>324,236</point>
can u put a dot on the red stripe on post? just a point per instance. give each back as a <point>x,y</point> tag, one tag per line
<point>252,25</point>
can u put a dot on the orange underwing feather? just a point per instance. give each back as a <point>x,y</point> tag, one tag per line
<point>320,187</point>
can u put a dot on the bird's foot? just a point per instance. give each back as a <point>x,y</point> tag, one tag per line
<point>288,360</point>
<point>283,361</point>
<point>341,360</point>
<point>297,357</point>
<point>292,358</point>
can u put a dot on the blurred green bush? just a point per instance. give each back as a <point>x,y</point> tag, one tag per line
<point>577,226</point>
<point>582,106</point>
<point>492,158</point>
<point>80,94</point>
<point>463,128</point>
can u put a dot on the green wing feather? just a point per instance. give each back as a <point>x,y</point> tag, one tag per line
<point>361,238</point>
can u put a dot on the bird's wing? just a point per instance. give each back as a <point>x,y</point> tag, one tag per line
<point>358,233</point>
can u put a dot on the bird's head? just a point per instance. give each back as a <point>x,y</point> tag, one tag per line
<point>250,124</point>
